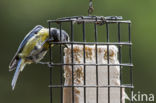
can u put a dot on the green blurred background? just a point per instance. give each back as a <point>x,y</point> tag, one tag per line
<point>17,17</point>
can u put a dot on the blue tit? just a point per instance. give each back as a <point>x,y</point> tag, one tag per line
<point>34,47</point>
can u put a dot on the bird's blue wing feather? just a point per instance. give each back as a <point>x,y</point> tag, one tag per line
<point>14,80</point>
<point>34,31</point>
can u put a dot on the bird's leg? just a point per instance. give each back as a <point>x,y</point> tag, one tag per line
<point>45,63</point>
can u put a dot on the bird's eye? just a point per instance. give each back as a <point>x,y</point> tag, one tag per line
<point>67,38</point>
<point>54,32</point>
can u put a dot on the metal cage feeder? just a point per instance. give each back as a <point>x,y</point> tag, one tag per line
<point>95,21</point>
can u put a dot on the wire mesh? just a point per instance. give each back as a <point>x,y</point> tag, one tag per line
<point>96,21</point>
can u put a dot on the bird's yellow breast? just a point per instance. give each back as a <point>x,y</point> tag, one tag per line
<point>37,39</point>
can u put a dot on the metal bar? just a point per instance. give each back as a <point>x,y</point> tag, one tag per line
<point>91,21</point>
<point>50,61</point>
<point>72,59</point>
<point>91,17</point>
<point>61,60</point>
<point>84,60</point>
<point>130,59</point>
<point>88,64</point>
<point>120,61</point>
<point>97,79</point>
<point>92,86</point>
<point>107,30</point>
<point>94,43</point>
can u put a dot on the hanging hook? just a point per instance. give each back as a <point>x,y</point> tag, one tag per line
<point>90,9</point>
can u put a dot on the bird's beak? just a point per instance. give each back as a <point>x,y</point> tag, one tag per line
<point>65,45</point>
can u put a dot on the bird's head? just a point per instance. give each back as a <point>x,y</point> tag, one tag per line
<point>58,36</point>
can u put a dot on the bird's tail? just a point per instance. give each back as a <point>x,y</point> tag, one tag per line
<point>20,66</point>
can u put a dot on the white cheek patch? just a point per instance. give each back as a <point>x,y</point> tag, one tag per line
<point>90,58</point>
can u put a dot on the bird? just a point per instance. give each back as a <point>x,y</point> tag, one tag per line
<point>34,47</point>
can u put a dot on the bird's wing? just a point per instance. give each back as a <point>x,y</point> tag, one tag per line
<point>34,31</point>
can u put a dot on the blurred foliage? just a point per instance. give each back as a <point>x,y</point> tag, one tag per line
<point>17,17</point>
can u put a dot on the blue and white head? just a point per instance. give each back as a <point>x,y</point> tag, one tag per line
<point>58,36</point>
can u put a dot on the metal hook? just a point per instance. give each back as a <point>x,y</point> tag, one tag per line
<point>90,9</point>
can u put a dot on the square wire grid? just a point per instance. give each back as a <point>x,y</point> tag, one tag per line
<point>95,20</point>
